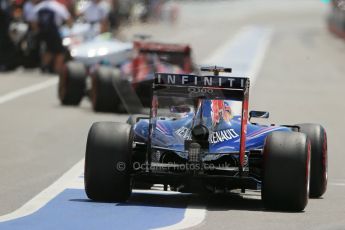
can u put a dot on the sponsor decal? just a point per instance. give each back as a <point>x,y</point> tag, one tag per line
<point>214,137</point>
<point>198,92</point>
<point>220,109</point>
<point>222,135</point>
<point>185,133</point>
<point>201,81</point>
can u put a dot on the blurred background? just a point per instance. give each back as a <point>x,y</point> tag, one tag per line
<point>66,64</point>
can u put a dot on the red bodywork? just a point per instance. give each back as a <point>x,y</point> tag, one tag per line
<point>149,55</point>
<point>244,123</point>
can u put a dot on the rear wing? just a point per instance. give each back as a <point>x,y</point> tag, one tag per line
<point>208,87</point>
<point>155,47</point>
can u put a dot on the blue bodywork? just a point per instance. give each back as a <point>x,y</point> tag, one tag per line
<point>171,133</point>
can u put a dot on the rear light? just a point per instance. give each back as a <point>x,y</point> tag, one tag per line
<point>194,153</point>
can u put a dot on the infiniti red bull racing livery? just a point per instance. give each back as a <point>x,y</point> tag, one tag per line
<point>200,138</point>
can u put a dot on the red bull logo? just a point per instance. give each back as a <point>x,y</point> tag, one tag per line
<point>220,110</point>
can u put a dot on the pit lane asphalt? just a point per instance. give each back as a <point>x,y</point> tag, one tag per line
<point>301,80</point>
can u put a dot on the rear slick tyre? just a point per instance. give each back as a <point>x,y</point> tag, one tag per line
<point>286,166</point>
<point>72,83</point>
<point>318,162</point>
<point>108,162</point>
<point>104,97</point>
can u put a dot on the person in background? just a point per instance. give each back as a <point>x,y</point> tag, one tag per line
<point>114,15</point>
<point>70,5</point>
<point>28,10</point>
<point>97,12</point>
<point>125,10</point>
<point>17,9</point>
<point>47,17</point>
<point>6,46</point>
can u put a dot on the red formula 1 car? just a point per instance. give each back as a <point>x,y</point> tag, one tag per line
<point>118,87</point>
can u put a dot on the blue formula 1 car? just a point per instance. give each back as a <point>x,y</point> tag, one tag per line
<point>199,139</point>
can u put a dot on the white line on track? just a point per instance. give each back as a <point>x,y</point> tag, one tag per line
<point>244,53</point>
<point>27,90</point>
<point>337,182</point>
<point>194,215</point>
<point>260,56</point>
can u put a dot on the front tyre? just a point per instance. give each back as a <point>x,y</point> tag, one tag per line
<point>286,171</point>
<point>318,166</point>
<point>108,161</point>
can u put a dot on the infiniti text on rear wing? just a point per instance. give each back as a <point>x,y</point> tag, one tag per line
<point>212,87</point>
